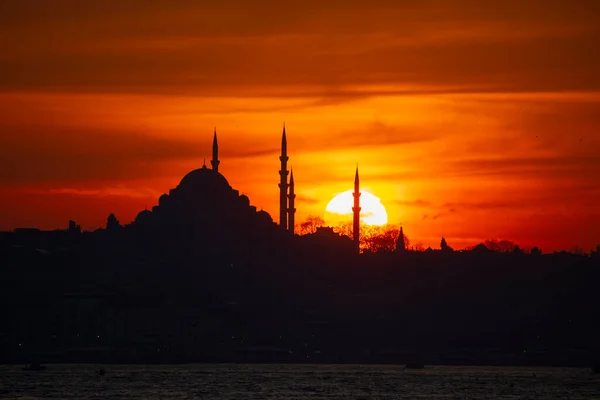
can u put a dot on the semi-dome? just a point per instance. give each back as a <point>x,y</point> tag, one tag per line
<point>204,178</point>
<point>265,216</point>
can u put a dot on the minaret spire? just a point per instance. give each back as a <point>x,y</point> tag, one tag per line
<point>291,209</point>
<point>283,142</point>
<point>283,182</point>
<point>215,153</point>
<point>356,211</point>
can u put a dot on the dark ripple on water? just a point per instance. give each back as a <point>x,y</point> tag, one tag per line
<point>232,381</point>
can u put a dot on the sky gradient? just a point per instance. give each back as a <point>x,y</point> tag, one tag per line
<point>470,120</point>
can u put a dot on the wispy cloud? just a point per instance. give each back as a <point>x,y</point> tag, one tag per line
<point>377,134</point>
<point>559,166</point>
<point>201,48</point>
<point>45,154</point>
<point>307,199</point>
<point>419,203</point>
<point>120,191</point>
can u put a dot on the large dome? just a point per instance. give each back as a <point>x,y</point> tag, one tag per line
<point>204,179</point>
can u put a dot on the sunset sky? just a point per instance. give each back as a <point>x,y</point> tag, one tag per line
<point>469,119</point>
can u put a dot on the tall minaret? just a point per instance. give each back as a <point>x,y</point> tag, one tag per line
<point>283,185</point>
<point>356,211</point>
<point>215,159</point>
<point>291,209</point>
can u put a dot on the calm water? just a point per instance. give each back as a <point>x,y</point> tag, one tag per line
<point>231,381</point>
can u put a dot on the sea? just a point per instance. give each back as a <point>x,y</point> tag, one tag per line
<point>288,381</point>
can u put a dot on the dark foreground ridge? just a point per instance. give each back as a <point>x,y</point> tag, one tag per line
<point>205,277</point>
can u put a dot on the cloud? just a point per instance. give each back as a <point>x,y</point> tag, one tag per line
<point>377,134</point>
<point>235,152</point>
<point>307,199</point>
<point>119,191</point>
<point>554,167</point>
<point>414,203</point>
<point>481,206</point>
<point>48,154</point>
<point>245,48</point>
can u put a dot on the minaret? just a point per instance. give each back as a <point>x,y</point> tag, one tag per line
<point>215,158</point>
<point>291,209</point>
<point>283,185</point>
<point>356,211</point>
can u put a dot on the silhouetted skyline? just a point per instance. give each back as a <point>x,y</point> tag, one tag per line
<point>410,183</point>
<point>475,122</point>
<point>287,209</point>
<point>206,276</point>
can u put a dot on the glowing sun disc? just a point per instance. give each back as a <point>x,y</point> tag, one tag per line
<point>372,211</point>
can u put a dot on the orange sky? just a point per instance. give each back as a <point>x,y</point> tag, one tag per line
<point>470,120</point>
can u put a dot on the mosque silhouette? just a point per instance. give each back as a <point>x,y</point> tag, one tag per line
<point>204,201</point>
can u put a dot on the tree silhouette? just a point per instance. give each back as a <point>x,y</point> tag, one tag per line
<point>311,224</point>
<point>536,251</point>
<point>378,238</point>
<point>444,245</point>
<point>73,227</point>
<point>112,223</point>
<point>578,250</point>
<point>373,238</point>
<point>345,228</point>
<point>595,254</point>
<point>502,246</point>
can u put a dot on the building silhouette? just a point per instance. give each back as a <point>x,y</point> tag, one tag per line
<point>291,208</point>
<point>356,211</point>
<point>215,153</point>
<point>286,199</point>
<point>205,207</point>
<point>283,183</point>
<point>204,199</point>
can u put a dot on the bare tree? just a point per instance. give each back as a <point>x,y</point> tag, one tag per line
<point>311,224</point>
<point>345,228</point>
<point>372,237</point>
<point>379,238</point>
<point>503,246</point>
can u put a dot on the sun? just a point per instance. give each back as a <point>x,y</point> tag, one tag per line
<point>372,211</point>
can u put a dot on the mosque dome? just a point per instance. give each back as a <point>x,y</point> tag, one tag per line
<point>265,216</point>
<point>204,179</point>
